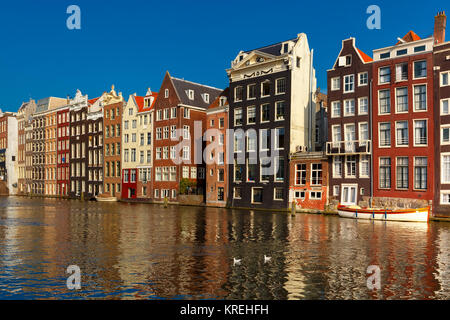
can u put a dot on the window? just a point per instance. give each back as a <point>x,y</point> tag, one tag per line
<point>385,55</point>
<point>190,94</point>
<point>385,134</point>
<point>336,130</point>
<point>265,112</point>
<point>385,173</point>
<point>186,133</point>
<point>402,52</point>
<point>265,88</point>
<point>420,173</point>
<point>158,133</point>
<point>251,91</point>
<point>335,84</point>
<point>445,78</point>
<point>420,97</point>
<point>335,109</point>
<point>315,195</point>
<point>300,174</point>
<point>445,168</point>
<point>401,100</point>
<point>221,123</point>
<point>257,195</point>
<point>401,128</point>
<point>363,79</point>
<point>420,132</point>
<point>238,172</point>
<point>238,117</point>
<point>251,143</point>
<point>281,86</point>
<point>385,75</point>
<point>158,153</point>
<point>445,134</point>
<point>336,191</point>
<point>238,142</point>
<point>278,194</point>
<point>185,172</point>
<point>158,174</point>
<point>299,194</point>
<point>238,93</point>
<point>166,93</point>
<point>350,166</point>
<point>193,172</point>
<point>349,83</point>
<point>401,72</point>
<point>364,166</point>
<point>220,193</point>
<point>420,69</point>
<point>265,139</point>
<point>349,108</point>
<point>251,115</point>
<point>316,173</point>
<point>186,154</point>
<point>385,101</point>
<point>173,132</point>
<point>279,169</point>
<point>173,152</point>
<point>237,193</point>
<point>363,133</point>
<point>402,173</point>
<point>419,48</point>
<point>363,106</point>
<point>279,138</point>
<point>280,109</point>
<point>444,106</point>
<point>221,175</point>
<point>251,172</point>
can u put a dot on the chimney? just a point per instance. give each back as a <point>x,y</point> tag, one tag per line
<point>440,21</point>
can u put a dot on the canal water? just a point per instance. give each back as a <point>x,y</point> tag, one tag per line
<point>143,251</point>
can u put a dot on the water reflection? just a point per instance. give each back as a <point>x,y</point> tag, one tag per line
<point>138,251</point>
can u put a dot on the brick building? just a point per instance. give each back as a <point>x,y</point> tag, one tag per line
<point>403,123</point>
<point>63,151</point>
<point>309,181</point>
<point>271,101</point>
<point>113,104</point>
<point>349,135</point>
<point>177,144</point>
<point>137,146</point>
<point>23,120</point>
<point>50,152</point>
<point>441,61</point>
<point>216,151</point>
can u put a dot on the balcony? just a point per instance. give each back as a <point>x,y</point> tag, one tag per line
<point>349,147</point>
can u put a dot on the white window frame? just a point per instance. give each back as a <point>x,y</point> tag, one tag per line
<point>443,192</point>
<point>379,74</point>
<point>441,78</point>
<point>441,106</point>
<point>414,133</point>
<point>426,97</point>
<point>414,68</point>
<point>361,175</point>
<point>379,134</point>
<point>396,142</point>
<point>333,115</point>
<point>333,87</point>
<point>444,126</point>
<point>353,86</point>
<point>359,106</point>
<point>443,181</point>
<point>379,104</point>
<point>359,79</point>
<point>354,108</point>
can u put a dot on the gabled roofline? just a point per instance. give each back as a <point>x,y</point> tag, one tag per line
<point>356,50</point>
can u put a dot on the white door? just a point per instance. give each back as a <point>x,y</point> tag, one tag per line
<point>348,196</point>
<point>350,137</point>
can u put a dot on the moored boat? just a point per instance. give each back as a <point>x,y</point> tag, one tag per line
<point>101,198</point>
<point>414,215</point>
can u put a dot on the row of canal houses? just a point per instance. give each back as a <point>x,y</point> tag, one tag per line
<point>381,136</point>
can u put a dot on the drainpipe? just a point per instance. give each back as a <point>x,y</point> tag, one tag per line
<point>310,101</point>
<point>371,142</point>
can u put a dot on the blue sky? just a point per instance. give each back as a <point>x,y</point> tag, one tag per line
<point>132,43</point>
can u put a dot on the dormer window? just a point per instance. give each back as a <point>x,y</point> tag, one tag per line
<point>345,61</point>
<point>285,47</point>
<point>206,97</point>
<point>222,101</point>
<point>190,94</point>
<point>166,93</point>
<point>260,59</point>
<point>241,57</point>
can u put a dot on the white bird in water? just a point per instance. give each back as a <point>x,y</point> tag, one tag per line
<point>236,261</point>
<point>267,259</point>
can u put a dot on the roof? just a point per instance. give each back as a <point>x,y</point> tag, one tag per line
<point>366,58</point>
<point>410,37</point>
<point>140,102</point>
<point>92,101</point>
<point>273,49</point>
<point>182,87</point>
<point>215,103</point>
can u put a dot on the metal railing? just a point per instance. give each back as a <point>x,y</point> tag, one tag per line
<point>349,147</point>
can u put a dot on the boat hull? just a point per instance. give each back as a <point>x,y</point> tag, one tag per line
<point>109,199</point>
<point>413,215</point>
